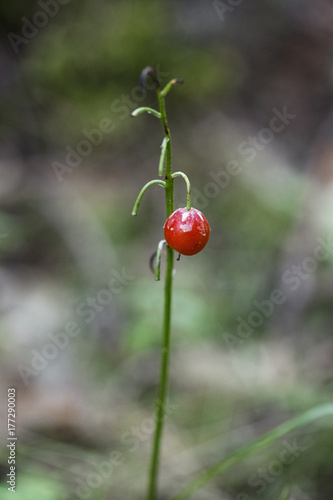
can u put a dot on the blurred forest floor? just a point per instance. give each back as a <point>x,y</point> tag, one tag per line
<point>252,327</point>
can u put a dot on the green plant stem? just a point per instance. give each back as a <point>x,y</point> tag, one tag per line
<point>162,158</point>
<point>164,372</point>
<point>168,176</point>
<point>158,260</point>
<point>188,187</point>
<point>145,109</point>
<point>142,192</point>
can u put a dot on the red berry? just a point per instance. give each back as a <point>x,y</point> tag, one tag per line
<point>187,231</point>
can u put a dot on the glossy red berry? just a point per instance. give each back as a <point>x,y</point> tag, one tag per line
<point>187,231</point>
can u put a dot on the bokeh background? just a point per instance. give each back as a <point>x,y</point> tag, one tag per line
<point>244,358</point>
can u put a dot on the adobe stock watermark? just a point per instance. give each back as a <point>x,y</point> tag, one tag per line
<point>267,475</point>
<point>122,108</point>
<point>222,8</point>
<point>87,309</point>
<point>291,277</point>
<point>103,470</point>
<point>30,29</point>
<point>248,148</point>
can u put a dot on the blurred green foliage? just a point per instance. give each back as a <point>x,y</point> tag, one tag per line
<point>83,67</point>
<point>87,59</point>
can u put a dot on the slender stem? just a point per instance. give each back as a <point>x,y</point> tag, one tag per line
<point>164,372</point>
<point>158,260</point>
<point>168,176</point>
<point>142,192</point>
<point>188,187</point>
<point>164,376</point>
<point>144,109</point>
<point>168,86</point>
<point>162,158</point>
